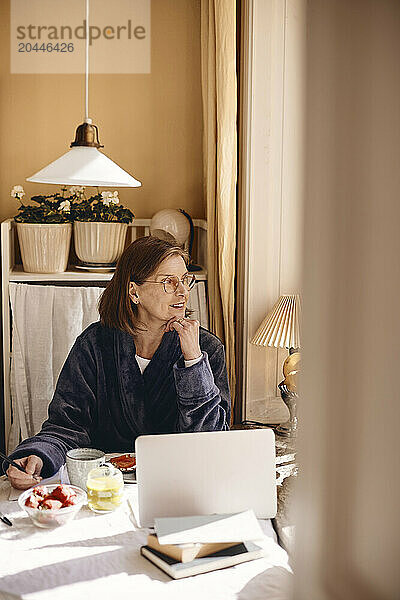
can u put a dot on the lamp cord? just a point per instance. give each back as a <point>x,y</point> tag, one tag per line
<point>87,64</point>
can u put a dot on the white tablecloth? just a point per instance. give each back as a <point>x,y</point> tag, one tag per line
<point>97,557</point>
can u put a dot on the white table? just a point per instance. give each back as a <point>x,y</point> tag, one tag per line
<point>97,557</point>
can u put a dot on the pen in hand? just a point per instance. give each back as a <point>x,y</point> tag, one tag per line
<point>17,466</point>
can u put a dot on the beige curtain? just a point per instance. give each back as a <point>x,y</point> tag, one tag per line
<point>219,91</point>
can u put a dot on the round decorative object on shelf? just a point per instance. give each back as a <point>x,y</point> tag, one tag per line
<point>171,225</point>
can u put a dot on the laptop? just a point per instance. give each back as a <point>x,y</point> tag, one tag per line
<point>184,474</point>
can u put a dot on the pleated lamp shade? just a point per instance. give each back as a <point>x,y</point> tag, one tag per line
<point>280,328</point>
<point>85,165</point>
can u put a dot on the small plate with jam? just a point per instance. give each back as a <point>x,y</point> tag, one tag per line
<point>124,462</point>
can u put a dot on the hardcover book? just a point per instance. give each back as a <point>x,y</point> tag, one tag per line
<point>219,560</point>
<point>205,529</point>
<point>186,552</point>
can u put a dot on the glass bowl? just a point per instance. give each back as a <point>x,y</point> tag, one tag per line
<point>50,519</point>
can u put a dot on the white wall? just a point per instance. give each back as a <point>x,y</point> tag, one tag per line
<point>270,186</point>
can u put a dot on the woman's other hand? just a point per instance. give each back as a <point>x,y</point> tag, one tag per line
<point>188,331</point>
<point>20,480</point>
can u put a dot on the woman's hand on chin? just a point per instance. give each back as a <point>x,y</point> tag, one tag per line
<point>188,331</point>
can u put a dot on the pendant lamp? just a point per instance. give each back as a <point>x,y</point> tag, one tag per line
<point>84,164</point>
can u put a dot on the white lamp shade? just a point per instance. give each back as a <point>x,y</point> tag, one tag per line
<point>281,327</point>
<point>84,165</point>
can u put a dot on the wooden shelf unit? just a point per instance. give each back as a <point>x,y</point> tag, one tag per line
<point>12,272</point>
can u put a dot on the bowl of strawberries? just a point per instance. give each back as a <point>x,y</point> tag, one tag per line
<point>53,505</point>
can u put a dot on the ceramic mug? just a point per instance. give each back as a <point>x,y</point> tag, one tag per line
<point>80,461</point>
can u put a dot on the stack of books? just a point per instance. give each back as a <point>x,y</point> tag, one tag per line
<point>198,544</point>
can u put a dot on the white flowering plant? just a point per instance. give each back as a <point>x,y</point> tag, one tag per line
<point>71,205</point>
<point>17,192</point>
<point>54,208</point>
<point>103,207</point>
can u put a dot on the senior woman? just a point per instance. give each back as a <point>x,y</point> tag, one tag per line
<point>144,368</point>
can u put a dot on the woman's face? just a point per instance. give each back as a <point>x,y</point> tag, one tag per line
<point>153,302</point>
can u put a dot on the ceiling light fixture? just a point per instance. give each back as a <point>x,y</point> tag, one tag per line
<point>84,164</point>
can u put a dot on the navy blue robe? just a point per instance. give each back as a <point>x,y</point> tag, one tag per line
<point>102,400</point>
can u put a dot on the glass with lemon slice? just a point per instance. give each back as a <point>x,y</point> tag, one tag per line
<point>105,488</point>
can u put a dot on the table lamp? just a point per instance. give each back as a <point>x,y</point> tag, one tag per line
<point>281,329</point>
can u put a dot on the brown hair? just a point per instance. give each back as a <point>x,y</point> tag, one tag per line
<point>137,263</point>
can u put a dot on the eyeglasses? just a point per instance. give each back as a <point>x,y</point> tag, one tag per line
<point>171,283</point>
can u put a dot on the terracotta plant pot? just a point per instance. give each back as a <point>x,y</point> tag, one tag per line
<point>99,243</point>
<point>44,247</point>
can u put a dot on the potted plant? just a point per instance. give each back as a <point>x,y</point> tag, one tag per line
<point>44,232</point>
<point>100,226</point>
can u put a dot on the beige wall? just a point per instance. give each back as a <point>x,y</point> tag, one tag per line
<point>151,125</point>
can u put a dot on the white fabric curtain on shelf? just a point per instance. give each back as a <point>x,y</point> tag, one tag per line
<point>46,320</point>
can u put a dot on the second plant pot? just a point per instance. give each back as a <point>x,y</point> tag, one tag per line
<point>99,243</point>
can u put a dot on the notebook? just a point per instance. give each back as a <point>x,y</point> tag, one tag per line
<point>206,529</point>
